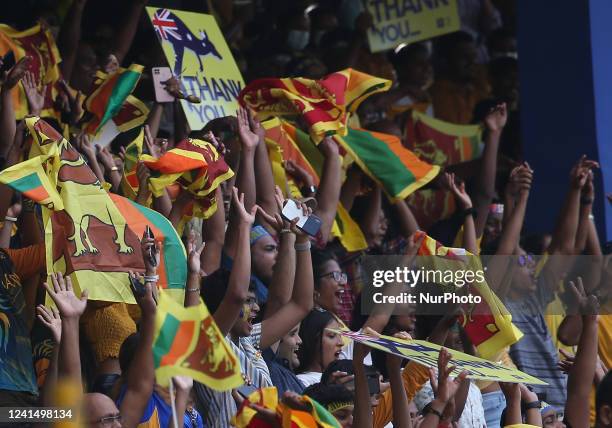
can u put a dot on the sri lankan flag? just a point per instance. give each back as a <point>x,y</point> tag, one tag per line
<point>286,142</point>
<point>382,157</point>
<point>316,417</point>
<point>114,110</point>
<point>324,104</point>
<point>196,166</point>
<point>133,151</point>
<point>38,43</point>
<point>442,143</point>
<point>30,179</point>
<point>93,236</point>
<point>188,343</point>
<point>488,324</point>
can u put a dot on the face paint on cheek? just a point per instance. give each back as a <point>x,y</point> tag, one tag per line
<point>245,312</point>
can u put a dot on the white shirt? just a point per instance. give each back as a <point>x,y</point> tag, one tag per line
<point>310,378</point>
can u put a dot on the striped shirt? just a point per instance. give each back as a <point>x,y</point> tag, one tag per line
<point>219,407</point>
<point>535,353</point>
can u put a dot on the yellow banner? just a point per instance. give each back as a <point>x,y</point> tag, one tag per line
<point>407,21</point>
<point>197,52</point>
<point>426,353</point>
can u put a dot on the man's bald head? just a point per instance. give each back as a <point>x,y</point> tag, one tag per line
<point>98,406</point>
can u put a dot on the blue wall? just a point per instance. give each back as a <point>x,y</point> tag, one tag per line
<point>565,54</point>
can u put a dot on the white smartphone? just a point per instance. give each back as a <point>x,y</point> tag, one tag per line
<point>308,224</point>
<point>161,74</point>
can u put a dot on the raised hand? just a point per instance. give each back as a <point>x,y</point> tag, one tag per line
<point>143,174</point>
<point>328,147</point>
<point>219,146</point>
<point>587,304</point>
<point>35,97</point>
<point>248,138</point>
<point>520,180</point>
<point>150,253</point>
<point>143,294</point>
<point>299,174</point>
<point>567,363</point>
<point>154,149</point>
<point>50,317</point>
<point>394,363</point>
<point>68,304</point>
<point>497,117</point>
<point>194,253</point>
<point>106,158</point>
<point>238,203</point>
<point>70,103</point>
<point>15,209</point>
<point>182,383</point>
<point>446,388</point>
<point>580,173</point>
<point>256,127</point>
<point>83,145</point>
<point>463,199</point>
<point>16,73</point>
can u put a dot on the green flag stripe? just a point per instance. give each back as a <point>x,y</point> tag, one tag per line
<point>28,182</point>
<point>309,150</point>
<point>124,87</point>
<point>165,338</point>
<point>174,257</point>
<point>380,160</point>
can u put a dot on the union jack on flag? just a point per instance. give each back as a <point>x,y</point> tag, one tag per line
<point>164,25</point>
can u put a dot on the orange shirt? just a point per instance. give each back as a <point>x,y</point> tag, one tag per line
<point>455,103</point>
<point>28,261</point>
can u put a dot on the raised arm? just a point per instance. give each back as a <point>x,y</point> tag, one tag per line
<point>70,308</point>
<point>213,233</point>
<point>512,393</point>
<point>485,185</point>
<point>401,413</point>
<point>580,379</point>
<point>126,31</point>
<point>263,169</point>
<point>194,278</point>
<point>328,193</point>
<point>281,322</point>
<point>564,237</point>
<point>407,221</point>
<point>245,177</point>
<point>50,318</point>
<point>283,277</point>
<point>227,313</point>
<point>445,391</point>
<point>465,205</point>
<point>7,113</point>
<point>141,372</point>
<point>362,412</point>
<point>69,37</point>
<point>529,400</point>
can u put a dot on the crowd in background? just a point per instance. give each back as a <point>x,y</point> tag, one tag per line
<point>273,290</point>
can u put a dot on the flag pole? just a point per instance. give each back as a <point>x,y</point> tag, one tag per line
<point>173,404</point>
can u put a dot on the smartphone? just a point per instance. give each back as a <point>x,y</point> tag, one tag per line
<point>151,252</point>
<point>8,61</point>
<point>161,74</point>
<point>246,390</point>
<point>308,224</point>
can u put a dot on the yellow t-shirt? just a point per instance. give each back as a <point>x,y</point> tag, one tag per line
<point>604,350</point>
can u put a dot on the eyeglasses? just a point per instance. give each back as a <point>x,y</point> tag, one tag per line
<point>338,276</point>
<point>525,259</point>
<point>108,421</point>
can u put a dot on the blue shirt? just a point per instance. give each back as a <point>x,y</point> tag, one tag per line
<point>281,375</point>
<point>535,353</point>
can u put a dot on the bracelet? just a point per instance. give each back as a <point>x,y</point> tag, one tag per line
<point>151,278</point>
<point>468,211</point>
<point>302,247</point>
<point>591,217</point>
<point>196,289</point>
<point>308,190</point>
<point>115,168</point>
<point>430,409</point>
<point>11,219</point>
<point>286,230</point>
<point>533,405</point>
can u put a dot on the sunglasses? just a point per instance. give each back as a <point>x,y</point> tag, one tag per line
<point>338,276</point>
<point>525,259</point>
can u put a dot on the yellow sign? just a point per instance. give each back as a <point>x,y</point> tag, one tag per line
<point>407,21</point>
<point>197,52</point>
<point>426,353</point>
